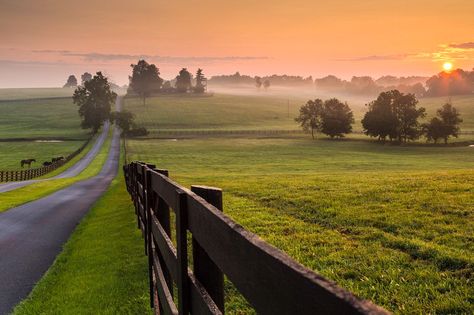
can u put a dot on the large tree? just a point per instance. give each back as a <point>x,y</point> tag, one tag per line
<point>310,116</point>
<point>393,115</point>
<point>145,79</point>
<point>336,118</point>
<point>94,99</point>
<point>123,119</point>
<point>71,81</point>
<point>200,82</point>
<point>445,125</point>
<point>183,81</point>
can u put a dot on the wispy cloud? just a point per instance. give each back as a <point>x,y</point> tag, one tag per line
<point>467,45</point>
<point>101,57</point>
<point>377,57</point>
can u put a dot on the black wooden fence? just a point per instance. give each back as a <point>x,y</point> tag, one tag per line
<point>30,173</point>
<point>271,281</point>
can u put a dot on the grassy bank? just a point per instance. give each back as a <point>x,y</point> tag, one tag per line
<point>102,269</point>
<point>392,224</point>
<point>40,189</point>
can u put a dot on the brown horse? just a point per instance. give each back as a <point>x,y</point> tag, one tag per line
<point>57,159</point>
<point>27,162</point>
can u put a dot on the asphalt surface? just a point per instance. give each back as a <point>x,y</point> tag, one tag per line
<point>32,235</point>
<point>70,172</point>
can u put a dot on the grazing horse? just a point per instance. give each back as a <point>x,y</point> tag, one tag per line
<point>57,159</point>
<point>27,162</point>
<point>47,163</point>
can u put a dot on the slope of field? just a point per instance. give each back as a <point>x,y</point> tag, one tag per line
<point>259,111</point>
<point>31,93</point>
<point>392,224</point>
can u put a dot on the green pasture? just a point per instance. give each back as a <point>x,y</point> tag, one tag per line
<point>32,93</point>
<point>392,224</point>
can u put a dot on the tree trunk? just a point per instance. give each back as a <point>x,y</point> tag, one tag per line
<point>312,133</point>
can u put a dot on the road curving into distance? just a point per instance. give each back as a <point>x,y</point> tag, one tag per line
<point>74,170</point>
<point>33,234</point>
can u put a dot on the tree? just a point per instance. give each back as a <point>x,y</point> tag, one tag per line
<point>86,77</point>
<point>310,116</point>
<point>94,100</point>
<point>445,125</point>
<point>71,82</point>
<point>394,115</point>
<point>123,119</point>
<point>266,84</point>
<point>258,82</point>
<point>145,79</point>
<point>200,82</point>
<point>336,118</point>
<point>183,81</point>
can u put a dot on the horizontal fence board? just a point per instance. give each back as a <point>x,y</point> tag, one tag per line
<point>165,188</point>
<point>201,302</point>
<point>164,295</point>
<point>166,248</point>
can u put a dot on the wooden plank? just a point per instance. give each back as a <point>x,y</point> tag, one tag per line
<point>165,298</point>
<point>182,253</point>
<point>268,278</point>
<point>165,188</point>
<point>201,302</point>
<point>165,246</point>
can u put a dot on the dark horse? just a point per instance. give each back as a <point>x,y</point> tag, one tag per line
<point>47,163</point>
<point>27,162</point>
<point>57,159</point>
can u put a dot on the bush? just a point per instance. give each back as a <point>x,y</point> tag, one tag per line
<point>137,132</point>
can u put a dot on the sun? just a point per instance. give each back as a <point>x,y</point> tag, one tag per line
<point>447,66</point>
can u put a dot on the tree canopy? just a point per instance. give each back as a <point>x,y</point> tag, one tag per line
<point>183,81</point>
<point>393,115</point>
<point>200,82</point>
<point>71,81</point>
<point>145,79</point>
<point>309,117</point>
<point>336,118</point>
<point>445,125</point>
<point>94,99</point>
<point>86,77</point>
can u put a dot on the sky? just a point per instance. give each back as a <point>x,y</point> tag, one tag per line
<point>44,41</point>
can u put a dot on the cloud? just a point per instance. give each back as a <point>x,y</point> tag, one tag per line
<point>378,58</point>
<point>94,56</point>
<point>467,45</point>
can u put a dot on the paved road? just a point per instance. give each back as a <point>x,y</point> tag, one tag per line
<point>32,235</point>
<point>70,172</point>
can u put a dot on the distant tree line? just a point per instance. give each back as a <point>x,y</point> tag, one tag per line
<point>146,81</point>
<point>393,116</point>
<point>456,82</point>
<point>72,82</point>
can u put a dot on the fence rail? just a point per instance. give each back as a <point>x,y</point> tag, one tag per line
<point>271,281</point>
<point>20,175</point>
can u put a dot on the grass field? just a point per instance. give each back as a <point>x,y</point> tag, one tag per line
<point>102,269</point>
<point>265,111</point>
<point>31,93</point>
<point>40,189</point>
<point>393,224</point>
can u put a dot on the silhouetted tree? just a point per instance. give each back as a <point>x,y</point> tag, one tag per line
<point>183,81</point>
<point>86,77</point>
<point>145,79</point>
<point>310,116</point>
<point>71,82</point>
<point>395,115</point>
<point>336,118</point>
<point>123,119</point>
<point>94,100</point>
<point>445,125</point>
<point>200,82</point>
<point>258,82</point>
<point>266,84</point>
<point>451,83</point>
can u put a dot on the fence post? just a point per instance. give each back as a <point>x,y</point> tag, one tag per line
<point>205,270</point>
<point>182,249</point>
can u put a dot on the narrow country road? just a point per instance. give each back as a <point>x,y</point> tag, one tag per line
<point>32,235</point>
<point>70,172</point>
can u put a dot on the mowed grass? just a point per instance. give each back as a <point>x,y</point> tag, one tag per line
<point>392,224</point>
<point>40,119</point>
<point>31,93</point>
<point>260,111</point>
<point>14,152</point>
<point>40,189</point>
<point>102,269</point>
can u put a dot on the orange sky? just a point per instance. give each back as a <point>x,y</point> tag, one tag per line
<point>43,41</point>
